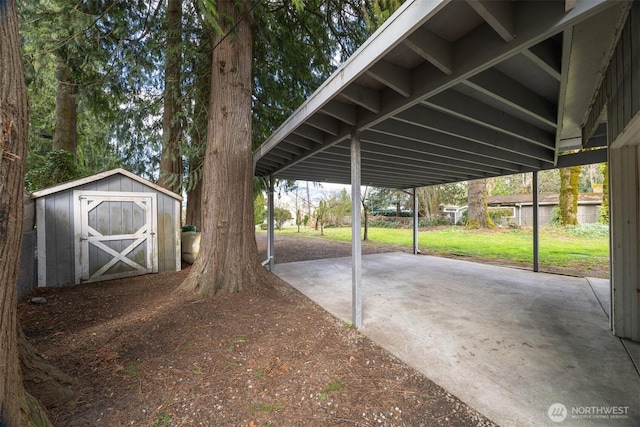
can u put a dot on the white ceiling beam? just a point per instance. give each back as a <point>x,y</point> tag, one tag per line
<point>315,135</point>
<point>440,146</point>
<point>498,14</point>
<point>325,123</point>
<point>440,122</point>
<point>567,42</point>
<point>454,145</point>
<point>391,147</point>
<point>363,96</point>
<point>279,153</point>
<point>290,148</point>
<point>433,48</point>
<point>339,110</point>
<point>546,56</point>
<point>375,157</point>
<point>516,96</point>
<point>467,108</point>
<point>300,141</point>
<point>392,76</point>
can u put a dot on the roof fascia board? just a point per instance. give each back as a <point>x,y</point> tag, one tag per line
<point>99,176</point>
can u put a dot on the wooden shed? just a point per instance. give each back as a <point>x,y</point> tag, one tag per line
<point>106,226</point>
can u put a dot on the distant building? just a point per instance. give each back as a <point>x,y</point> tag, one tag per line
<point>521,207</point>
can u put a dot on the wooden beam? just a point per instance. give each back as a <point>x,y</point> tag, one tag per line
<point>325,123</point>
<point>341,111</point>
<point>515,95</point>
<point>467,108</point>
<point>311,133</point>
<point>433,48</point>
<point>547,56</point>
<point>362,96</point>
<point>499,15</point>
<point>392,76</point>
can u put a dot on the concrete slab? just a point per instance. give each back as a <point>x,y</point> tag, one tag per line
<point>510,343</point>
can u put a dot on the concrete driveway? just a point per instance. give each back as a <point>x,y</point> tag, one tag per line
<point>522,348</point>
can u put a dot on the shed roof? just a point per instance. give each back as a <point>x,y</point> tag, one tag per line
<point>449,91</point>
<point>88,179</point>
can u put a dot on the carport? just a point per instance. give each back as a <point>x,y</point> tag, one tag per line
<point>508,342</point>
<point>448,91</point>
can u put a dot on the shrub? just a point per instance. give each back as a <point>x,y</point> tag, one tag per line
<point>588,230</point>
<point>60,166</point>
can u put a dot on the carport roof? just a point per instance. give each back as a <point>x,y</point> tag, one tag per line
<point>449,91</point>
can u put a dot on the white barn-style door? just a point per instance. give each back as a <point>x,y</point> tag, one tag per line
<point>115,235</point>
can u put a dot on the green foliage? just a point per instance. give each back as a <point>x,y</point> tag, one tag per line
<point>555,217</point>
<point>259,208</point>
<point>321,215</point>
<point>382,223</point>
<point>280,216</point>
<point>334,385</point>
<point>497,214</point>
<point>604,208</point>
<point>132,369</point>
<point>592,231</point>
<point>116,52</point>
<point>296,46</point>
<point>60,166</point>
<point>162,420</point>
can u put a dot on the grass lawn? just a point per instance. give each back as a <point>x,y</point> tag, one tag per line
<point>558,247</point>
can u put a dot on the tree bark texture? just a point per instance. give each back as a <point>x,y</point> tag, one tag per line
<point>171,158</point>
<point>17,407</point>
<point>604,209</point>
<point>194,206</point>
<point>199,139</point>
<point>478,213</point>
<point>41,379</point>
<point>65,136</point>
<point>228,259</point>
<point>568,198</point>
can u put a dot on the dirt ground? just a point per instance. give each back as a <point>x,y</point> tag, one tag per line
<point>143,355</point>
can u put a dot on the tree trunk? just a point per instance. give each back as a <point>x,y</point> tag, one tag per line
<point>568,197</point>
<point>428,202</point>
<point>199,134</point>
<point>65,136</point>
<point>42,380</point>
<point>309,203</point>
<point>16,406</point>
<point>604,208</point>
<point>365,214</point>
<point>171,159</point>
<point>228,260</point>
<point>194,206</point>
<point>478,213</point>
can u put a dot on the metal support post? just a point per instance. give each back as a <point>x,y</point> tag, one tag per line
<point>270,227</point>
<point>536,224</point>
<point>416,250</point>
<point>356,244</point>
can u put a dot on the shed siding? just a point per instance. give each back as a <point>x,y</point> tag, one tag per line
<point>59,239</point>
<point>59,226</point>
